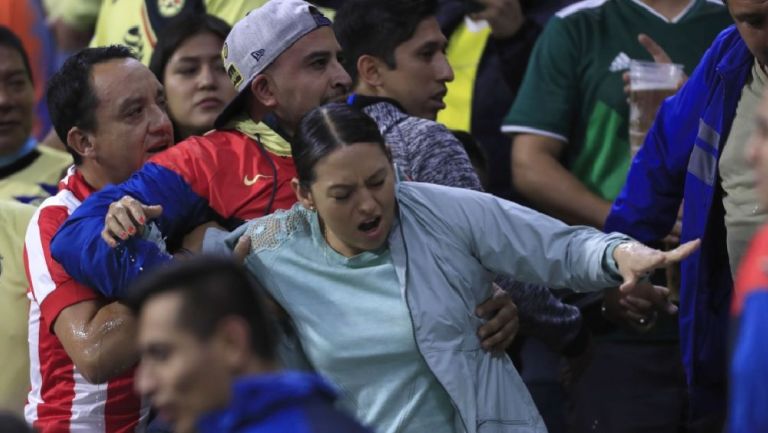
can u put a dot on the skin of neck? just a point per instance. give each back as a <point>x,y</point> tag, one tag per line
<point>365,89</point>
<point>95,175</point>
<point>668,8</point>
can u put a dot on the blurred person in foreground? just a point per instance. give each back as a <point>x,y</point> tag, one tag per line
<point>208,356</point>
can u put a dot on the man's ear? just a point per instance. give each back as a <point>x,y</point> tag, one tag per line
<point>262,89</point>
<point>80,141</point>
<point>303,195</point>
<point>369,70</point>
<point>234,342</point>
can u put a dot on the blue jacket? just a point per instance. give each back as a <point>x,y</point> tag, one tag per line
<point>679,161</point>
<point>289,402</point>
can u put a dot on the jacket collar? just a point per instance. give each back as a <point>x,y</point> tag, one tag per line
<point>736,59</point>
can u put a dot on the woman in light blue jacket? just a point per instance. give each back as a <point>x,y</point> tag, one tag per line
<point>381,278</point>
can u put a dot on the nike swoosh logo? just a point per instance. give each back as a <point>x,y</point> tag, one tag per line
<point>250,182</point>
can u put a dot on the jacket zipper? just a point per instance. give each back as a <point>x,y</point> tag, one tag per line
<point>413,331</point>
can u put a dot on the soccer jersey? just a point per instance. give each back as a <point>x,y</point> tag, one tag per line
<point>573,88</point>
<point>14,377</point>
<point>33,177</point>
<point>135,23</point>
<point>61,400</point>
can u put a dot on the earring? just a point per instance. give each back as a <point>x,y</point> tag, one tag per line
<point>312,208</point>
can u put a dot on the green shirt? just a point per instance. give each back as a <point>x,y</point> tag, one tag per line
<point>573,88</point>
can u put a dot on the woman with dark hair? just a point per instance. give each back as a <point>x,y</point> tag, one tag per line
<point>381,278</point>
<point>187,60</point>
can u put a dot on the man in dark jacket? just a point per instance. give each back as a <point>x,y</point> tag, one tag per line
<point>208,360</point>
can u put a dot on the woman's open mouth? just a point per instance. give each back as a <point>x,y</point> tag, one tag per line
<point>370,226</point>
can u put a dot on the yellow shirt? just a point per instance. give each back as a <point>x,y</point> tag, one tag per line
<point>37,177</point>
<point>14,306</point>
<point>135,22</point>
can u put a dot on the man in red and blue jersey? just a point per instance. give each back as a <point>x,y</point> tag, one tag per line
<point>110,110</point>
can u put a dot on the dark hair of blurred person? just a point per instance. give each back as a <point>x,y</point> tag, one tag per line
<point>208,356</point>
<point>187,61</point>
<point>12,423</point>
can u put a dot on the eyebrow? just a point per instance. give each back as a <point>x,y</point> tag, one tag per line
<point>12,73</point>
<point>317,55</point>
<point>127,103</point>
<point>380,172</point>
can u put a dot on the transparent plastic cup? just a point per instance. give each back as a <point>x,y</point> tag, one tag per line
<point>650,83</point>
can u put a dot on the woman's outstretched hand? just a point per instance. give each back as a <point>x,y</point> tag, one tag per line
<point>636,261</point>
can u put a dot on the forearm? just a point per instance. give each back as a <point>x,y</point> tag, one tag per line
<point>99,338</point>
<point>553,190</point>
<point>113,342</point>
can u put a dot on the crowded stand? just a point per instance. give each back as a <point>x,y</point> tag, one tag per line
<point>383,216</point>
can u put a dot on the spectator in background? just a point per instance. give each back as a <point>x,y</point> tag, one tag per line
<point>208,356</point>
<point>187,61</point>
<point>570,156</point>
<point>694,154</point>
<point>27,20</point>
<point>28,172</point>
<point>488,48</point>
<point>110,110</point>
<point>137,23</point>
<point>14,351</point>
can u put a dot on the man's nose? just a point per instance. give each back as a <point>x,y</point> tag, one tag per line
<point>444,69</point>
<point>341,77</point>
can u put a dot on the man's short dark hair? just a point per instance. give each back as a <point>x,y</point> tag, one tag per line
<point>211,288</point>
<point>10,40</point>
<point>377,28</point>
<point>70,95</point>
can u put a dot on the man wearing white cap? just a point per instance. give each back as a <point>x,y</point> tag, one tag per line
<point>283,60</point>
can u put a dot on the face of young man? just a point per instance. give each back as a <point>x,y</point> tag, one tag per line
<point>183,376</point>
<point>17,98</point>
<point>418,80</point>
<point>308,75</point>
<point>131,120</point>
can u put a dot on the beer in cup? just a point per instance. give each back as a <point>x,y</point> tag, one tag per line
<point>650,83</point>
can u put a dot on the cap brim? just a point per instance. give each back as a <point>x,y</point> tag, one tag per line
<point>234,108</point>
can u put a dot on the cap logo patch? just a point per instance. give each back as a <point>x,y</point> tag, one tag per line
<point>225,51</point>
<point>257,55</point>
<point>234,75</point>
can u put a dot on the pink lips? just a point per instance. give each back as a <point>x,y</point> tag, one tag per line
<point>209,103</point>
